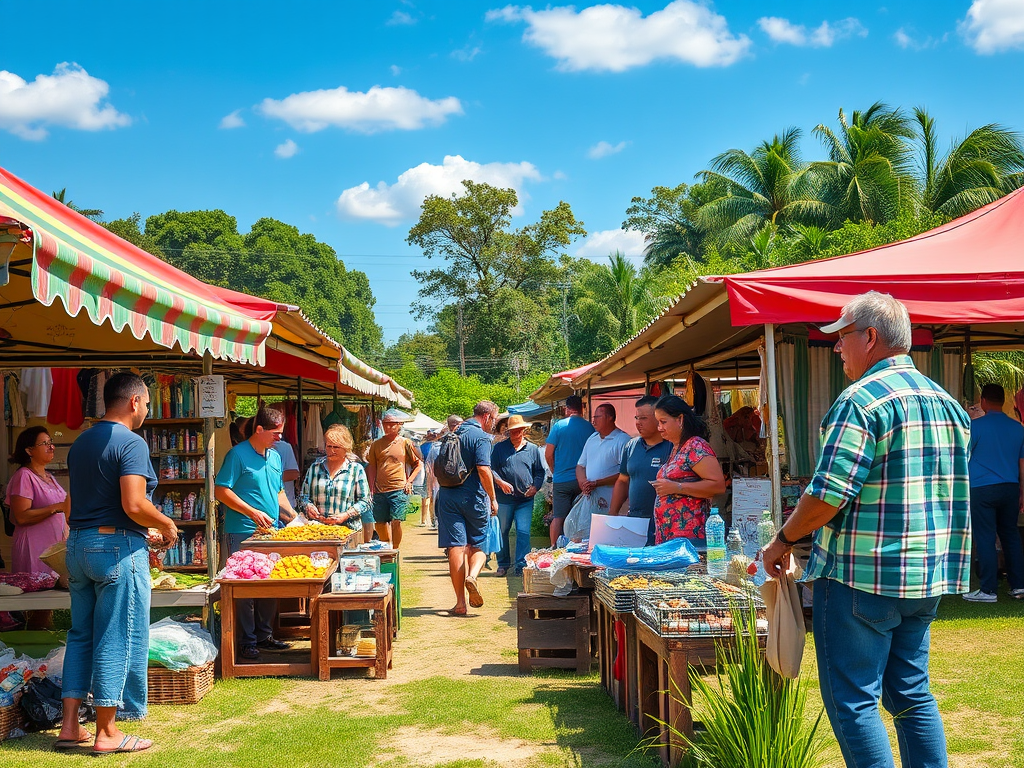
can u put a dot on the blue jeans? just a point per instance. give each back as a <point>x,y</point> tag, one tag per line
<point>870,646</point>
<point>519,511</point>
<point>108,643</point>
<point>254,617</point>
<point>994,513</point>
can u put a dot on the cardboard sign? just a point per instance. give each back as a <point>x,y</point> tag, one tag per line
<point>618,531</point>
<point>211,397</point>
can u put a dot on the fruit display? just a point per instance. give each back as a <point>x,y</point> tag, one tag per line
<point>639,582</point>
<point>543,558</point>
<point>311,532</point>
<point>247,564</point>
<point>297,567</point>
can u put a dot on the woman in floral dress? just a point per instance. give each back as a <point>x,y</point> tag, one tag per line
<point>689,479</point>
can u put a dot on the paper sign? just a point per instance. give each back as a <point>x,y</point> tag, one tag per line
<point>618,531</point>
<point>750,497</point>
<point>211,397</point>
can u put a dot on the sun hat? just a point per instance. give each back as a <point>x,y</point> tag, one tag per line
<point>393,414</point>
<point>515,421</point>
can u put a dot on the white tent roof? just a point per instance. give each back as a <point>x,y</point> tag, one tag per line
<point>422,423</point>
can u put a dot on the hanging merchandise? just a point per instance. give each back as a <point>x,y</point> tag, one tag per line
<point>14,406</point>
<point>314,431</point>
<point>36,384</point>
<point>65,398</point>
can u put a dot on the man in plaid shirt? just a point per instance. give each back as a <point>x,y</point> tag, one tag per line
<point>889,506</point>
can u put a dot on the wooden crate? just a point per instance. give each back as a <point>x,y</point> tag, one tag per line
<point>185,686</point>
<point>11,717</point>
<point>537,582</point>
<point>554,632</point>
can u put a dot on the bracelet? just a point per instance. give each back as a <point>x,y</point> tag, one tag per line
<point>782,539</point>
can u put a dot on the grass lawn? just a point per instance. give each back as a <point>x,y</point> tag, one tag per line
<point>455,699</point>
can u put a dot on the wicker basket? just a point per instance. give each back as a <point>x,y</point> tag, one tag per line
<point>537,582</point>
<point>187,686</point>
<point>11,717</point>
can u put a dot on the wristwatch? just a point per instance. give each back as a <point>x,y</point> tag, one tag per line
<point>783,540</point>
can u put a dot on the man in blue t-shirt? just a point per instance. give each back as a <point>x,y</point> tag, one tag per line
<point>112,517</point>
<point>250,486</point>
<point>564,446</point>
<point>463,510</point>
<point>997,494</point>
<point>641,460</point>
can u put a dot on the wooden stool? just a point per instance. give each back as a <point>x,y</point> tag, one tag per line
<point>554,632</point>
<point>326,611</point>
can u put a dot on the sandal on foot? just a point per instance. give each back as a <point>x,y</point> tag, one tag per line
<point>66,745</point>
<point>476,600</point>
<point>456,611</point>
<point>128,744</point>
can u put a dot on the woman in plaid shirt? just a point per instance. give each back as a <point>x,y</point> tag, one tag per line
<point>336,484</point>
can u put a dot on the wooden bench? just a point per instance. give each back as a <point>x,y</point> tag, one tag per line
<point>327,610</point>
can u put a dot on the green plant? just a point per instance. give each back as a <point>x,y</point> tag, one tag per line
<point>752,717</point>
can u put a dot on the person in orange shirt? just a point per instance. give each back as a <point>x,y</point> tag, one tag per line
<point>393,462</point>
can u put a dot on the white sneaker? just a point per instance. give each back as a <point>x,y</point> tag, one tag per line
<point>1017,593</point>
<point>977,596</point>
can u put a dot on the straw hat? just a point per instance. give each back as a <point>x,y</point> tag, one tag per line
<point>515,421</point>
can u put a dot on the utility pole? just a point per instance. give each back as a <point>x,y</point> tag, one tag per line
<point>565,318</point>
<point>462,343</point>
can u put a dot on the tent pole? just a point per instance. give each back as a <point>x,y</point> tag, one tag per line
<point>209,435</point>
<point>299,424</point>
<point>773,418</point>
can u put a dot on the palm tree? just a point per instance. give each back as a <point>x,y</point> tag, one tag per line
<point>627,294</point>
<point>868,174</point>
<point>768,186</point>
<point>983,167</point>
<point>90,213</point>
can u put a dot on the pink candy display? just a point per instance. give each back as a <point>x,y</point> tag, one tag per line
<point>246,564</point>
<point>29,582</point>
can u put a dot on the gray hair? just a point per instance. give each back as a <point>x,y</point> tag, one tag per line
<point>883,313</point>
<point>485,407</point>
<point>453,421</point>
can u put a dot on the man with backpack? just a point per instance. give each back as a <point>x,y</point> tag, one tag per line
<point>465,501</point>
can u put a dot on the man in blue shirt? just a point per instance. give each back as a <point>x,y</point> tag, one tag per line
<point>564,446</point>
<point>518,475</point>
<point>250,487</point>
<point>997,494</point>
<point>463,510</point>
<point>641,460</point>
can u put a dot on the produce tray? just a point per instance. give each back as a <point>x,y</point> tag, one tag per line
<point>699,607</point>
<point>621,600</point>
<point>185,686</point>
<point>320,580</point>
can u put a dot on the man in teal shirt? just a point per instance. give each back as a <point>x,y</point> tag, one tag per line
<point>251,488</point>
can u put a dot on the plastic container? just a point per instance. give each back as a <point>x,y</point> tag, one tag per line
<point>715,531</point>
<point>733,544</point>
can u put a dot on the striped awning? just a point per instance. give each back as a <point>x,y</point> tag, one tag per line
<point>88,268</point>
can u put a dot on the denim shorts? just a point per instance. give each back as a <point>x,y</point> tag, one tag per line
<point>390,506</point>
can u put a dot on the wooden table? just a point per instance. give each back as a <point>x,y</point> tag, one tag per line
<point>232,590</point>
<point>55,599</point>
<point>326,608</point>
<point>623,692</point>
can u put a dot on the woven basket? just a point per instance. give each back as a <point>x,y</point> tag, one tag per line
<point>537,582</point>
<point>187,686</point>
<point>11,717</point>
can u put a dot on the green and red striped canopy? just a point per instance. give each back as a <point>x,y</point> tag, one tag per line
<point>89,268</point>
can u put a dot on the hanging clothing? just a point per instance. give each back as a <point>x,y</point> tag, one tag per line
<point>66,399</point>
<point>14,408</point>
<point>313,434</point>
<point>36,384</point>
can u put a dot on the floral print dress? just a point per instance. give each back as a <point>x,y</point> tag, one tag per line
<point>678,515</point>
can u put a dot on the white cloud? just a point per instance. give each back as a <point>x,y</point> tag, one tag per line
<point>559,176</point>
<point>232,120</point>
<point>392,204</point>
<point>400,19</point>
<point>903,40</point>
<point>379,109</point>
<point>614,38</point>
<point>70,98</point>
<point>599,245</point>
<point>603,149</point>
<point>467,53</point>
<point>994,25</point>
<point>396,70</point>
<point>288,149</point>
<point>823,36</point>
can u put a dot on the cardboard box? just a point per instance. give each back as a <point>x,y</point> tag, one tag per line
<point>618,531</point>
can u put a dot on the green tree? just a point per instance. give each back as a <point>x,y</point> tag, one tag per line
<point>428,351</point>
<point>90,213</point>
<point>771,185</point>
<point>984,166</point>
<point>129,229</point>
<point>627,293</point>
<point>668,221</point>
<point>868,174</point>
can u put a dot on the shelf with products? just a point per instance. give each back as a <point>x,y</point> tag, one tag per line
<point>196,481</point>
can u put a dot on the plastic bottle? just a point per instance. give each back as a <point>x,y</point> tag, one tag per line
<point>733,544</point>
<point>765,535</point>
<point>715,530</point>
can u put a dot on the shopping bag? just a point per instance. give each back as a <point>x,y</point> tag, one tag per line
<point>671,555</point>
<point>492,545</point>
<point>784,649</point>
<point>577,522</point>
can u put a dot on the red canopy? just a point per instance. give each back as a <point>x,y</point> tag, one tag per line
<point>970,270</point>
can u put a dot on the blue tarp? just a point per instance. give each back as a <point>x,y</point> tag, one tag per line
<point>529,409</point>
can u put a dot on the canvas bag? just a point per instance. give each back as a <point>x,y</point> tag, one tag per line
<point>786,629</point>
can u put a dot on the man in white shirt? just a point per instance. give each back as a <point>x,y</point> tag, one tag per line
<point>598,466</point>
<point>291,468</point>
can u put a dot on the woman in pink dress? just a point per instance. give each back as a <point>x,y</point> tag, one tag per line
<point>689,479</point>
<point>38,504</point>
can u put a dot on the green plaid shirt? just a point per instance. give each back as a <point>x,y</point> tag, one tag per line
<point>894,462</point>
<point>334,496</point>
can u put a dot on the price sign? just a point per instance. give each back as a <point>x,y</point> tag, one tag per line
<point>211,397</point>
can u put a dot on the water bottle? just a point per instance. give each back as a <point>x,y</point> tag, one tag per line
<point>733,544</point>
<point>562,542</point>
<point>765,536</point>
<point>715,531</point>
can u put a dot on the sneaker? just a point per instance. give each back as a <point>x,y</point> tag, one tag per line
<point>1017,593</point>
<point>249,652</point>
<point>977,596</point>
<point>273,644</point>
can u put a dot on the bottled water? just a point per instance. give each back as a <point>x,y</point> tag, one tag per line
<point>765,536</point>
<point>733,544</point>
<point>715,531</point>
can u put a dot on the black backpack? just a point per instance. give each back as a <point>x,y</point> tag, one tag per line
<point>449,468</point>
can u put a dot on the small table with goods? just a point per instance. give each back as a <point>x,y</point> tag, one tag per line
<point>337,646</point>
<point>265,584</point>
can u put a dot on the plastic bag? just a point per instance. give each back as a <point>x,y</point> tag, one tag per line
<point>180,645</point>
<point>42,705</point>
<point>561,576</point>
<point>492,545</point>
<point>670,556</point>
<point>577,522</point>
<point>54,662</point>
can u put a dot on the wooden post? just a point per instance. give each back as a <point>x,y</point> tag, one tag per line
<point>299,425</point>
<point>209,432</point>
<point>773,426</point>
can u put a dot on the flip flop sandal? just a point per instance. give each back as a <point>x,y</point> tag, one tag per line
<point>476,600</point>
<point>457,612</point>
<point>66,745</point>
<point>128,744</point>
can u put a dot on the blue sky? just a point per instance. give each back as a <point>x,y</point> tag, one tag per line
<point>339,117</point>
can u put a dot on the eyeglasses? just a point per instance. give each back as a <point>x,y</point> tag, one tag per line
<point>336,448</point>
<point>44,444</point>
<point>842,335</point>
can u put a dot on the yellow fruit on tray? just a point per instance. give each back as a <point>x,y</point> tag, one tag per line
<point>311,532</point>
<point>296,567</point>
